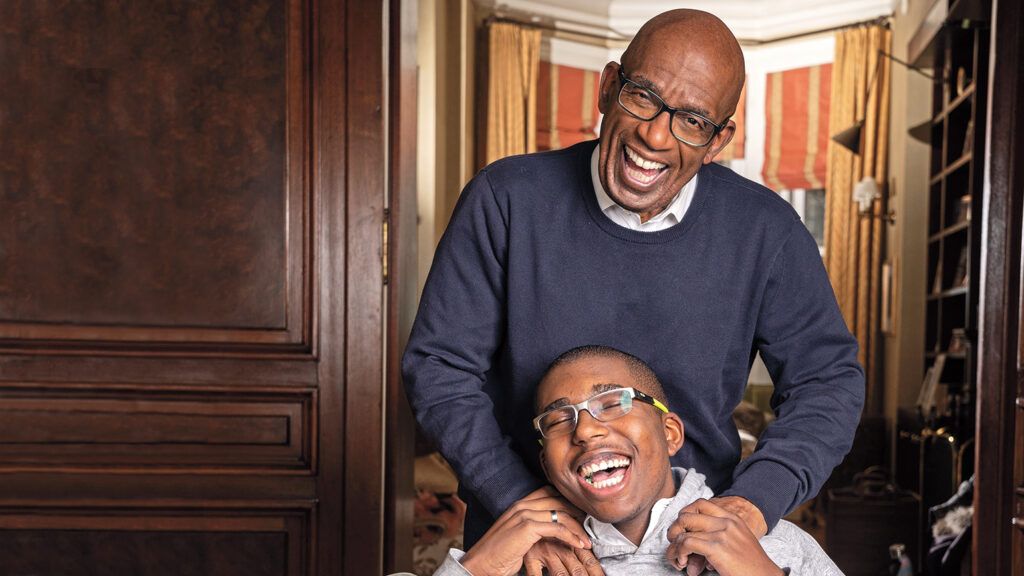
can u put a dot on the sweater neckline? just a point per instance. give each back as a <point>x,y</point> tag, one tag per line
<point>586,188</point>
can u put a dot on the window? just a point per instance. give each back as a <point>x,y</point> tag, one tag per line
<point>810,205</point>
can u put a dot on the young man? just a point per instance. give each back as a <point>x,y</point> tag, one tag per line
<point>607,440</point>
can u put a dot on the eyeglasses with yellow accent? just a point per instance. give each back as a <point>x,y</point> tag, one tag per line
<point>604,406</point>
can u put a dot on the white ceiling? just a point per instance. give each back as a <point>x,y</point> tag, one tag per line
<point>750,20</point>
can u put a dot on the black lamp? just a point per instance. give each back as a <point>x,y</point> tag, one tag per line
<point>850,138</point>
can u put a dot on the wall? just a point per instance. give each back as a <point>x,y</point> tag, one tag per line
<point>446,53</point>
<point>906,245</point>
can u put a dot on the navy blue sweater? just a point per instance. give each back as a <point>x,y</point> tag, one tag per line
<point>529,267</point>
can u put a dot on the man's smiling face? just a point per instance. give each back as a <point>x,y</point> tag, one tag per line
<point>614,470</point>
<point>641,165</point>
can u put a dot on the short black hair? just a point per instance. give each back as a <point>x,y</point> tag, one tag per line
<point>646,380</point>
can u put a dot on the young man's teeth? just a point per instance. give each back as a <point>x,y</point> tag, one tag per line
<point>594,467</point>
<point>645,164</point>
<point>607,483</point>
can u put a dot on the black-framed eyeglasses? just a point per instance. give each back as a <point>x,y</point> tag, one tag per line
<point>604,407</point>
<point>686,126</point>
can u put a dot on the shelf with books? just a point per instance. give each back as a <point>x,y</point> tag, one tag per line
<point>960,162</point>
<point>951,293</point>
<point>953,238</point>
<point>949,230</point>
<point>959,100</point>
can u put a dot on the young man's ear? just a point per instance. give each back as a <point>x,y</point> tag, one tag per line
<point>674,432</point>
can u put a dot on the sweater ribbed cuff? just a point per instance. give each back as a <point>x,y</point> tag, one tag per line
<point>769,486</point>
<point>503,489</point>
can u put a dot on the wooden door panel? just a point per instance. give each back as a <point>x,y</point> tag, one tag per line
<point>92,428</point>
<point>154,173</point>
<point>158,540</point>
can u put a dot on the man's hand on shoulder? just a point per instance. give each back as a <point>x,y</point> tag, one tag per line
<point>557,558</point>
<point>561,560</point>
<point>747,512</point>
<point>514,537</point>
<point>707,530</point>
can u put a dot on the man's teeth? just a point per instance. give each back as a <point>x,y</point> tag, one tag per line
<point>590,469</point>
<point>607,483</point>
<point>641,162</point>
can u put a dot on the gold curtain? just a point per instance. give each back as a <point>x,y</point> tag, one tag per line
<point>853,242</point>
<point>513,63</point>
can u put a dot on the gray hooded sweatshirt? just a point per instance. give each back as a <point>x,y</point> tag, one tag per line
<point>792,549</point>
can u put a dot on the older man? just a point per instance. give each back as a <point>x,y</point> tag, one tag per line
<point>639,242</point>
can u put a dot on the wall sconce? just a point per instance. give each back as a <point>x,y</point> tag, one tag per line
<point>851,138</point>
<point>865,193</point>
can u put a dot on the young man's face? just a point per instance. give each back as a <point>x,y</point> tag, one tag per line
<point>642,440</point>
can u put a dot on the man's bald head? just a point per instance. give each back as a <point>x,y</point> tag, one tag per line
<point>692,30</point>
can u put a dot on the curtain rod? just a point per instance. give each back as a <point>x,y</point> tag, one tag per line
<point>616,36</point>
<point>612,36</point>
<point>880,21</point>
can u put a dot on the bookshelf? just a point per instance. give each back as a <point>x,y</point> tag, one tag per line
<point>954,231</point>
<point>935,445</point>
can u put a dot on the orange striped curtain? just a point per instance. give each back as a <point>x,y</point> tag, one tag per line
<point>734,151</point>
<point>797,107</point>
<point>566,105</point>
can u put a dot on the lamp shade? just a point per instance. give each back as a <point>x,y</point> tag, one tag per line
<point>922,132</point>
<point>850,138</point>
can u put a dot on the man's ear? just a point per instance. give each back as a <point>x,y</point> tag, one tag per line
<point>674,432</point>
<point>720,141</point>
<point>609,80</point>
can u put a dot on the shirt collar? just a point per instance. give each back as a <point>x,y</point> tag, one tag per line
<point>608,541</point>
<point>609,535</point>
<point>671,215</point>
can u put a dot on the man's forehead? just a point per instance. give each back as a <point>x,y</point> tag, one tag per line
<point>691,50</point>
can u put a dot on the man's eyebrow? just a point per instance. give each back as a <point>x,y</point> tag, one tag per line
<point>598,388</point>
<point>556,404</point>
<point>645,82</point>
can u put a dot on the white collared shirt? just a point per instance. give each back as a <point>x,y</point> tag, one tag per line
<point>667,218</point>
